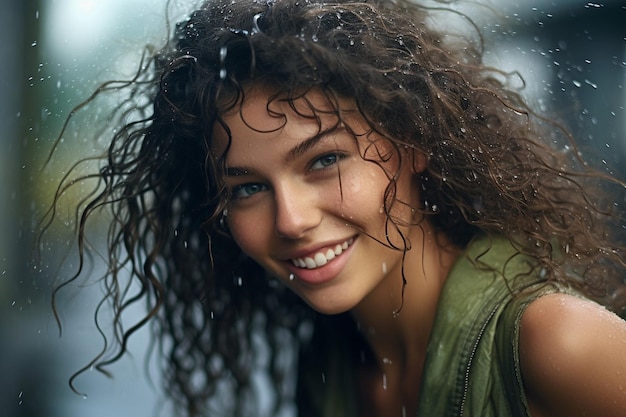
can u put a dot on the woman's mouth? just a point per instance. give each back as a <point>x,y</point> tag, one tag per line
<point>322,257</point>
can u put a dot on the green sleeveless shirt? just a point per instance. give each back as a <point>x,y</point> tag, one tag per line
<point>472,366</point>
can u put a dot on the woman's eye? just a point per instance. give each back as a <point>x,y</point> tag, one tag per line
<point>247,190</point>
<point>325,161</point>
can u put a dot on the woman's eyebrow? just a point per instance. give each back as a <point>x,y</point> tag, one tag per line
<point>307,144</point>
<point>298,150</point>
<point>237,171</point>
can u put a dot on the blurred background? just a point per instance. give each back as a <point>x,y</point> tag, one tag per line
<point>571,53</point>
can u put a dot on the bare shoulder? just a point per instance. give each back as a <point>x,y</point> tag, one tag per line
<point>573,358</point>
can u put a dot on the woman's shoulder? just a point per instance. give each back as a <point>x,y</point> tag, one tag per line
<point>573,358</point>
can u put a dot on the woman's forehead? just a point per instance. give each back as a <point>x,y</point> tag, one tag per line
<point>263,114</point>
<point>262,111</point>
<point>308,103</point>
<point>258,102</point>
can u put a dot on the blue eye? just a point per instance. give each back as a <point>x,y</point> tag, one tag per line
<point>247,190</point>
<point>325,161</point>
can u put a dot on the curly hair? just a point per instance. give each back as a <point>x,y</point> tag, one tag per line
<point>494,167</point>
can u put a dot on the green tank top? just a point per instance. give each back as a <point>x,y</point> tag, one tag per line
<point>472,366</point>
<point>472,363</point>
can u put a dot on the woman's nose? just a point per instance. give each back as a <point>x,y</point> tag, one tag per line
<point>296,211</point>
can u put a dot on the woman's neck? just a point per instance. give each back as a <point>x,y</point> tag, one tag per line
<point>397,326</point>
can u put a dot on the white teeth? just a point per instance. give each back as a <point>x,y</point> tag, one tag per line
<point>321,258</point>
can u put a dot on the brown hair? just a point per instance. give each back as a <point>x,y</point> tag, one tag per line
<point>494,167</point>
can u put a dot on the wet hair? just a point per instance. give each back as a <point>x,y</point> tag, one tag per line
<point>493,167</point>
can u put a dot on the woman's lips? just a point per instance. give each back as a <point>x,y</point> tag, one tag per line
<point>322,257</point>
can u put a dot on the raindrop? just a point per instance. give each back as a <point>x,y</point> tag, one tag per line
<point>34,43</point>
<point>255,20</point>
<point>223,53</point>
<point>593,85</point>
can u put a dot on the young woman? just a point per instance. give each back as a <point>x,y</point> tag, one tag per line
<point>333,179</point>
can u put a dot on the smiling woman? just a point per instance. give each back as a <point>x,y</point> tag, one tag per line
<point>306,181</point>
<point>342,180</point>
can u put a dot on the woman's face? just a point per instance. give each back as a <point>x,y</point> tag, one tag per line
<point>306,203</point>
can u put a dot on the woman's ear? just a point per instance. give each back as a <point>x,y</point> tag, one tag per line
<point>420,161</point>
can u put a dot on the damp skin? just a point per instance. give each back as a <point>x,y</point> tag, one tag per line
<point>295,200</point>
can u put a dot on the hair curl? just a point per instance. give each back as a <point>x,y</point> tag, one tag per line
<point>492,168</point>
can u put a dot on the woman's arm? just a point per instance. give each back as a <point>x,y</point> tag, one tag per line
<point>573,358</point>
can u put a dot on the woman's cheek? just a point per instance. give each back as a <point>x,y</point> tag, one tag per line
<point>248,231</point>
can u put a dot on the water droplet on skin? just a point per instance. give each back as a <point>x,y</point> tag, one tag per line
<point>385,382</point>
<point>384,272</point>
